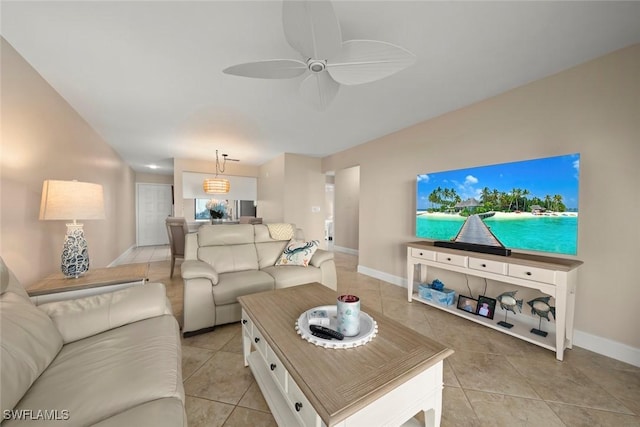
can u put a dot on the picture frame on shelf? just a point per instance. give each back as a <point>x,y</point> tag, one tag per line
<point>486,307</point>
<point>468,304</point>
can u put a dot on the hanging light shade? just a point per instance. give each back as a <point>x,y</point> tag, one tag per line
<point>216,186</point>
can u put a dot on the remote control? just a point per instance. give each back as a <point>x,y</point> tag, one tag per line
<point>323,336</point>
<point>326,331</point>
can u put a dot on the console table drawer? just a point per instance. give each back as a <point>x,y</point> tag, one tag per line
<point>487,265</point>
<point>423,254</point>
<point>301,405</point>
<point>532,273</point>
<point>445,258</point>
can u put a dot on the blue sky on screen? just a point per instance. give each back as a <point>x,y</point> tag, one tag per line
<point>548,176</point>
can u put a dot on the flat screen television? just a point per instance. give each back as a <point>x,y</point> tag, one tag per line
<point>529,205</point>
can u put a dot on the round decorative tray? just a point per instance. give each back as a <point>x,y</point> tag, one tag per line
<point>368,329</point>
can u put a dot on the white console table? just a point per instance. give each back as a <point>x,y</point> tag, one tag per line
<point>556,277</point>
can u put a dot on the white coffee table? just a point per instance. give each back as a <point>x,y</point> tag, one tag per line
<point>385,382</point>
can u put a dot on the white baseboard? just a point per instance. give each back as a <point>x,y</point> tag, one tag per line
<point>607,347</point>
<point>345,250</point>
<point>600,345</point>
<point>390,278</point>
<point>122,256</point>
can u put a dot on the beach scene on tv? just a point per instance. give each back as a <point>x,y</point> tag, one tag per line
<point>530,205</point>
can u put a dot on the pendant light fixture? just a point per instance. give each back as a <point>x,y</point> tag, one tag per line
<point>217,185</point>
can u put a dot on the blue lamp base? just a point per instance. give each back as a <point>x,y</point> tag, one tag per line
<point>75,252</point>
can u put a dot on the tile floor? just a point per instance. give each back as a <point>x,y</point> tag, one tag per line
<point>492,379</point>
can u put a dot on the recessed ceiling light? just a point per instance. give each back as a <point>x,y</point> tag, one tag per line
<point>153,166</point>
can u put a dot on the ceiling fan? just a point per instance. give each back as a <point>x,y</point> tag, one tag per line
<point>312,28</point>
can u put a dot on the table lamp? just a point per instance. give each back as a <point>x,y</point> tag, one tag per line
<point>72,200</point>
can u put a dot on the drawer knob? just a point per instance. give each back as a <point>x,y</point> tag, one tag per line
<point>421,254</point>
<point>272,366</point>
<point>298,406</point>
<point>483,265</point>
<point>244,321</point>
<point>257,340</point>
<point>448,259</point>
<point>528,273</point>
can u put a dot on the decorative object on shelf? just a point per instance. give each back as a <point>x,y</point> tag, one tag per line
<point>540,307</point>
<point>312,29</point>
<point>72,200</point>
<point>437,285</point>
<point>486,307</point>
<point>443,296</point>
<point>218,185</point>
<point>348,317</point>
<point>217,208</point>
<point>368,329</point>
<point>467,304</point>
<point>508,302</point>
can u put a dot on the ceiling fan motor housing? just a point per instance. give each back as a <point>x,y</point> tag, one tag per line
<point>316,65</point>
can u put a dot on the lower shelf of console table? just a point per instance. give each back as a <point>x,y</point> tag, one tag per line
<point>519,330</point>
<point>556,277</point>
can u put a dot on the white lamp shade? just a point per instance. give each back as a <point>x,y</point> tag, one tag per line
<point>71,200</point>
<point>216,186</point>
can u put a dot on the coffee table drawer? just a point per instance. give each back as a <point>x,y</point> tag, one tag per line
<point>277,369</point>
<point>259,343</point>
<point>301,406</point>
<point>247,324</point>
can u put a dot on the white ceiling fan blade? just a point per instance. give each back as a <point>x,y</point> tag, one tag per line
<point>312,28</point>
<point>272,69</point>
<point>319,89</point>
<point>364,61</point>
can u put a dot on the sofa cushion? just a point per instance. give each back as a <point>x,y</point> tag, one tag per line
<point>298,253</point>
<point>221,235</point>
<point>82,317</point>
<point>9,282</point>
<point>91,378</point>
<point>269,252</point>
<point>229,258</point>
<point>291,275</point>
<point>234,284</point>
<point>30,341</point>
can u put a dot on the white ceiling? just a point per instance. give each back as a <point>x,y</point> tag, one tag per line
<point>147,76</point>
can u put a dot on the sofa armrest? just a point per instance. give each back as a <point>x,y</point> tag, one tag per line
<point>83,317</point>
<point>193,269</point>
<point>320,256</point>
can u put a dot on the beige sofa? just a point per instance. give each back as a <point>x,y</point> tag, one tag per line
<point>223,262</point>
<point>106,360</point>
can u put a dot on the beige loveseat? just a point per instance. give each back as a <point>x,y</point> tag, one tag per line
<point>223,262</point>
<point>106,360</point>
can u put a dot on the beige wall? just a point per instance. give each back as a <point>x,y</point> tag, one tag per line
<point>347,208</point>
<point>154,178</point>
<point>271,182</point>
<point>44,138</point>
<point>592,109</point>
<point>289,187</point>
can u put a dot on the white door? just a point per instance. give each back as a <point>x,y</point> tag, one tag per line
<point>154,205</point>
